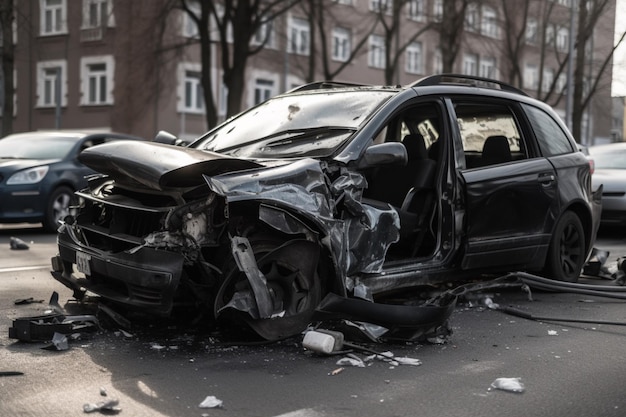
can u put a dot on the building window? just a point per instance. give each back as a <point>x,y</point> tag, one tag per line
<point>190,92</point>
<point>549,34</point>
<point>97,13</point>
<point>548,79</point>
<point>53,17</point>
<point>416,10</point>
<point>487,68</point>
<point>264,35</point>
<point>562,39</point>
<point>263,90</point>
<point>531,77</point>
<point>438,10</point>
<point>489,25</point>
<point>470,64</point>
<point>376,57</point>
<point>299,35</point>
<point>532,31</point>
<point>472,18</point>
<point>561,83</point>
<point>414,58</point>
<point>223,100</point>
<point>437,62</point>
<point>189,26</point>
<point>341,44</point>
<point>97,80</point>
<point>51,83</point>
<point>380,6</point>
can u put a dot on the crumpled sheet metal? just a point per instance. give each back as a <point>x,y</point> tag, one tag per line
<point>404,322</point>
<point>359,240</point>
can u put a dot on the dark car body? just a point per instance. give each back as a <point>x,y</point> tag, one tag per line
<point>360,191</point>
<point>39,173</point>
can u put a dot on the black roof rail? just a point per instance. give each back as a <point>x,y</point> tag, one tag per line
<point>319,85</point>
<point>467,80</point>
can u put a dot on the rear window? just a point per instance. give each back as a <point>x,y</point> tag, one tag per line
<point>552,139</point>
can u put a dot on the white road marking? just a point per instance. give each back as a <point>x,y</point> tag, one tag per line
<point>24,268</point>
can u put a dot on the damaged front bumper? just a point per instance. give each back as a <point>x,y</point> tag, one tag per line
<point>144,279</point>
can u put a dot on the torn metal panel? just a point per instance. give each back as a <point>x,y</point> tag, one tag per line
<point>244,257</point>
<point>300,186</point>
<point>359,242</point>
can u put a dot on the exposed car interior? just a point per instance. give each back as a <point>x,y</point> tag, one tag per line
<point>410,188</point>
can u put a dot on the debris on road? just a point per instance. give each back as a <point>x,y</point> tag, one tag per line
<point>508,384</point>
<point>211,402</point>
<point>105,407</point>
<point>11,373</point>
<point>59,342</point>
<point>17,244</point>
<point>24,301</point>
<point>44,328</point>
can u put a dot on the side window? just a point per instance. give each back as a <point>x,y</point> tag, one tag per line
<point>552,140</point>
<point>490,134</point>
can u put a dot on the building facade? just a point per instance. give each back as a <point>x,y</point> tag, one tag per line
<point>134,66</point>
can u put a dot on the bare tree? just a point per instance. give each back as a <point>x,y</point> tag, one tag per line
<point>7,16</point>
<point>389,16</point>
<point>589,12</point>
<point>236,24</point>
<point>515,19</point>
<point>450,26</point>
<point>323,14</point>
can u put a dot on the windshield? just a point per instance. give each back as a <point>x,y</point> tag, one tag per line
<point>26,147</point>
<point>312,124</point>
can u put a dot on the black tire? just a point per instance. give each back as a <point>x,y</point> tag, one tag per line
<point>295,288</point>
<point>566,254</point>
<point>58,207</point>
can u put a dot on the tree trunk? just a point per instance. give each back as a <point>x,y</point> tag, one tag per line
<point>6,20</point>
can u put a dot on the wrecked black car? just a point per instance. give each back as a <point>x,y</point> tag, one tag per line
<point>349,190</point>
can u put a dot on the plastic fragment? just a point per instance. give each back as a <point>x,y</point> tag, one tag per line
<point>336,371</point>
<point>157,346</point>
<point>508,384</point>
<point>408,361</point>
<point>59,342</point>
<point>108,406</point>
<point>211,402</point>
<point>17,244</point>
<point>351,361</point>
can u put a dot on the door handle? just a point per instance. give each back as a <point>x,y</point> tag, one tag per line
<point>546,179</point>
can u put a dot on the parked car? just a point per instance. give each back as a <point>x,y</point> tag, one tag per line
<point>352,190</point>
<point>39,173</point>
<point>610,172</point>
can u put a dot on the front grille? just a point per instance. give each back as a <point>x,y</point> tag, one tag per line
<point>114,228</point>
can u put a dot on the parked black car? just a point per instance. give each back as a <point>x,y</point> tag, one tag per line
<point>356,190</point>
<point>39,173</point>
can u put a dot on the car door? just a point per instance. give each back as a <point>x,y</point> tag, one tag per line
<point>511,192</point>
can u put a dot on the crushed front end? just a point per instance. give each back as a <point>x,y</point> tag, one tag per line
<point>166,227</point>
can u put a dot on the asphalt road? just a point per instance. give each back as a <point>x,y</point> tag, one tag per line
<point>567,369</point>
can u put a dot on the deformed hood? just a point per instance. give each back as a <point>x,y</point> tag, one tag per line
<point>159,166</point>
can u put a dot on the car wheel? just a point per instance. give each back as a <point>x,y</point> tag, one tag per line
<point>290,270</point>
<point>58,207</point>
<point>566,254</point>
